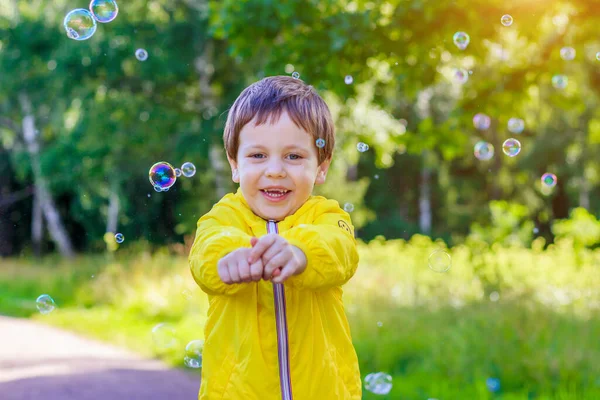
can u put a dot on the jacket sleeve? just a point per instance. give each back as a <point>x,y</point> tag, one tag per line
<point>330,249</point>
<point>218,234</point>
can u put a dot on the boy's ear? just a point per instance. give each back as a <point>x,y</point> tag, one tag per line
<point>322,172</point>
<point>235,173</point>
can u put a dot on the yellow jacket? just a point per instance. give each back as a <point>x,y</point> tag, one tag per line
<point>246,346</point>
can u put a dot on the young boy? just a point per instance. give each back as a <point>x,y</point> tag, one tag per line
<point>273,258</point>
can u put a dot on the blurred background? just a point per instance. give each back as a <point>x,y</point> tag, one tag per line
<point>478,278</point>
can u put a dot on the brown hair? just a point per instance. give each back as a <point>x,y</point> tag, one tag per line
<point>267,99</point>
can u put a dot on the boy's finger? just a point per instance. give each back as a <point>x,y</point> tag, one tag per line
<point>259,248</point>
<point>233,272</point>
<point>274,263</point>
<point>253,241</point>
<point>244,271</point>
<point>286,272</point>
<point>256,271</point>
<point>224,273</point>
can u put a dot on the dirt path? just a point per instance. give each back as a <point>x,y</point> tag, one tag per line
<point>42,362</point>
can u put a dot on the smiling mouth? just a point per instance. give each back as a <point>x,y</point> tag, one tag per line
<point>275,194</point>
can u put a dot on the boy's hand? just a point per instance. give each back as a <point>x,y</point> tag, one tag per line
<point>276,253</point>
<point>235,268</point>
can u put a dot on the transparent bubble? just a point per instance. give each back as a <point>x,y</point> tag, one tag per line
<point>79,24</point>
<point>348,79</point>
<point>461,40</point>
<point>493,384</point>
<point>511,147</point>
<point>177,172</point>
<point>516,125</point>
<point>348,207</point>
<point>536,230</point>
<point>440,261</point>
<point>403,122</point>
<point>362,147</point>
<point>188,169</point>
<point>45,304</point>
<point>506,20</point>
<point>481,121</point>
<point>187,294</point>
<point>378,383</point>
<point>119,238</point>
<point>549,180</point>
<point>320,143</point>
<point>104,10</point>
<point>483,151</point>
<point>141,54</point>
<point>461,75</point>
<point>379,324</point>
<point>567,53</point>
<point>193,354</point>
<point>376,176</point>
<point>163,335</point>
<point>598,56</point>
<point>296,75</point>
<point>494,296</point>
<point>289,68</point>
<point>560,81</point>
<point>162,176</point>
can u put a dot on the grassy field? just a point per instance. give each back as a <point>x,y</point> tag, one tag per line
<point>528,317</point>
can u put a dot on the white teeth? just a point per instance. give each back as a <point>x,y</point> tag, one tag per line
<point>276,193</point>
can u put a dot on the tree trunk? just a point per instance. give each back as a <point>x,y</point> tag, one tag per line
<point>112,218</point>
<point>57,231</point>
<point>37,225</point>
<point>425,198</point>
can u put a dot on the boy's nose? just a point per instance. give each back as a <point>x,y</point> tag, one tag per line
<point>275,169</point>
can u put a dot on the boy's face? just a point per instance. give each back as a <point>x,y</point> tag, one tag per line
<point>276,156</point>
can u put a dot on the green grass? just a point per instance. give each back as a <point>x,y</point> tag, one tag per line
<point>439,335</point>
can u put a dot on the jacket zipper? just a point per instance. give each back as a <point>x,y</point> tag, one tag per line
<point>283,356</point>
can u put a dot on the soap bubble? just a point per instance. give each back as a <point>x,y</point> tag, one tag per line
<point>141,54</point>
<point>119,238</point>
<point>511,147</point>
<point>516,125</point>
<point>188,169</point>
<point>506,20</point>
<point>483,151</point>
<point>461,40</point>
<point>79,24</point>
<point>549,180</point>
<point>362,147</point>
<point>378,383</point>
<point>193,354</point>
<point>296,75</point>
<point>45,304</point>
<point>493,384</point>
<point>177,172</point>
<point>440,261</point>
<point>567,53</point>
<point>348,79</point>
<point>163,335</point>
<point>162,176</point>
<point>320,143</point>
<point>598,56</point>
<point>348,207</point>
<point>481,121</point>
<point>104,10</point>
<point>461,75</point>
<point>560,81</point>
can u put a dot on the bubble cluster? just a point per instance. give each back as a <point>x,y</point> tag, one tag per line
<point>162,176</point>
<point>362,147</point>
<point>141,54</point>
<point>104,10</point>
<point>193,354</point>
<point>511,147</point>
<point>320,143</point>
<point>80,24</point>
<point>567,53</point>
<point>119,238</point>
<point>348,207</point>
<point>348,79</point>
<point>516,125</point>
<point>188,169</point>
<point>440,261</point>
<point>378,383</point>
<point>549,180</point>
<point>461,40</point>
<point>296,75</point>
<point>163,336</point>
<point>506,20</point>
<point>483,151</point>
<point>560,81</point>
<point>461,75</point>
<point>481,121</point>
<point>45,304</point>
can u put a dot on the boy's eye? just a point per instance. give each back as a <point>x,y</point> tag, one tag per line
<point>295,156</point>
<point>258,155</point>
